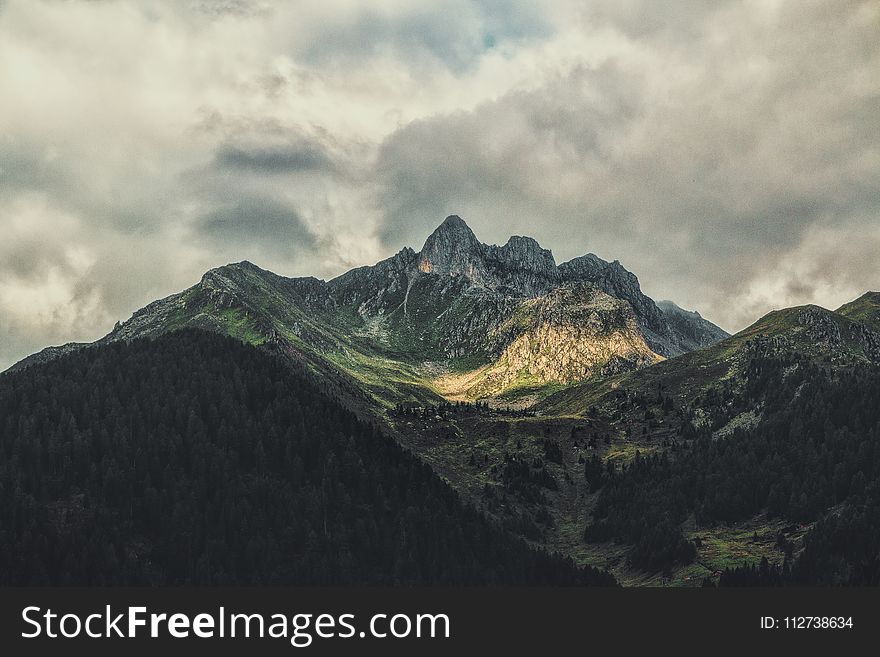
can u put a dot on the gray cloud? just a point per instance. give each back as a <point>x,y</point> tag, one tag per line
<point>700,177</point>
<point>221,8</point>
<point>727,152</point>
<point>256,226</point>
<point>29,258</point>
<point>291,158</point>
<point>501,164</point>
<point>639,19</point>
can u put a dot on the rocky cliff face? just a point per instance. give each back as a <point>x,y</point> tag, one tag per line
<point>614,279</point>
<point>570,334</point>
<point>669,330</point>
<point>375,290</point>
<point>521,268</point>
<point>825,331</point>
<point>453,249</point>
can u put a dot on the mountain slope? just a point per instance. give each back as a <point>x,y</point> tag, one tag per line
<point>805,476</point>
<point>195,459</point>
<point>694,332</point>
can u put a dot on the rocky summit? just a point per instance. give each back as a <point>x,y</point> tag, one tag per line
<point>459,318</point>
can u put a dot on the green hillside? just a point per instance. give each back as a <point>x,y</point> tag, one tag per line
<point>865,309</point>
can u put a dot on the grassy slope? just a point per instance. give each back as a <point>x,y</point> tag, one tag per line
<point>329,342</point>
<point>865,309</point>
<point>464,450</point>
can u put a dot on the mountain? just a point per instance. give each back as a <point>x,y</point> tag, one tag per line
<point>458,318</point>
<point>560,402</point>
<point>772,480</point>
<point>195,459</point>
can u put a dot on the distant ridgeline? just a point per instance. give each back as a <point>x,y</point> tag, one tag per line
<point>196,459</point>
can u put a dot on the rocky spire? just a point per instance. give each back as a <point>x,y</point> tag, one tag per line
<point>453,249</point>
<point>524,266</point>
<point>526,253</point>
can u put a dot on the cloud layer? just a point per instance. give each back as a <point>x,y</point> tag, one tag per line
<point>726,152</point>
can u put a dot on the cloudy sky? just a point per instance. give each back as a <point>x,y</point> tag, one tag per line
<point>727,152</point>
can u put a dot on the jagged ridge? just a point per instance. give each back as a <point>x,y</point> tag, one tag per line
<point>507,311</point>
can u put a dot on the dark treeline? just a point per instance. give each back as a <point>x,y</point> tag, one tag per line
<point>764,574</point>
<point>443,409</point>
<point>446,410</point>
<point>815,449</point>
<point>195,459</point>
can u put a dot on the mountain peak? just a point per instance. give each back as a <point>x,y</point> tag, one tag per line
<point>453,227</point>
<point>454,220</point>
<point>523,243</point>
<point>452,249</point>
<point>615,279</point>
<point>525,253</point>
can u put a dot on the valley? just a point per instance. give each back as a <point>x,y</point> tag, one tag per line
<point>539,392</point>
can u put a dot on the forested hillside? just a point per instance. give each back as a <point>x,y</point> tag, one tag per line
<point>196,459</point>
<point>815,455</point>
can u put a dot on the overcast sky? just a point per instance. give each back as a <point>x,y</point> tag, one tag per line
<point>728,153</point>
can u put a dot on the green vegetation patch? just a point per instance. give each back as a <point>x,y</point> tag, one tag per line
<point>237,324</point>
<point>744,544</point>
